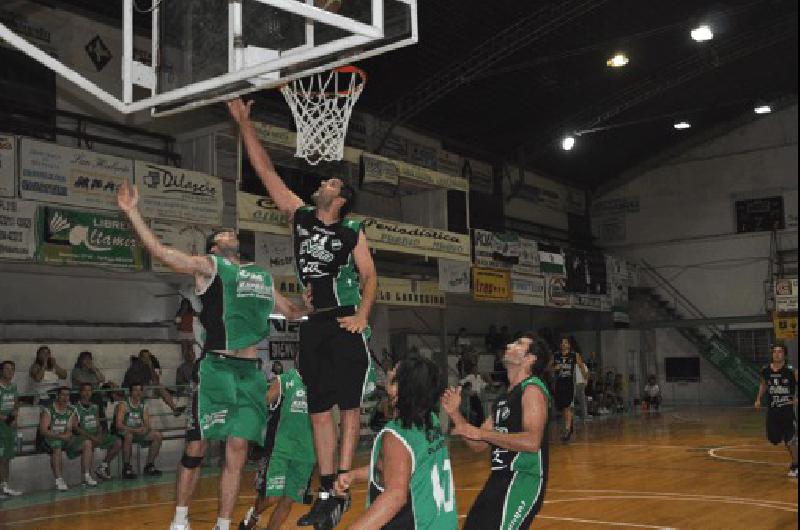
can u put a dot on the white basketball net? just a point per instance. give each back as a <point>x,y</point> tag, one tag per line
<point>322,105</point>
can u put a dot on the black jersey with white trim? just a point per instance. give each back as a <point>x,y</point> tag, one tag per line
<point>324,258</point>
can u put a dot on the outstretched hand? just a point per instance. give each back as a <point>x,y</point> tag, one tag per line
<point>127,197</point>
<point>240,111</point>
<point>451,400</point>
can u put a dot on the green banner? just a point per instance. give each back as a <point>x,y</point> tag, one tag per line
<point>70,237</point>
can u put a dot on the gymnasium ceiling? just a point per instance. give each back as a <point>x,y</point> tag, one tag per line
<point>519,107</point>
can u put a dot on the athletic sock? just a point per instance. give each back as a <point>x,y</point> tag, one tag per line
<point>223,524</point>
<point>181,514</point>
<point>326,482</point>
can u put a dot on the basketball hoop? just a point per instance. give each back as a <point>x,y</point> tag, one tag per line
<point>322,105</point>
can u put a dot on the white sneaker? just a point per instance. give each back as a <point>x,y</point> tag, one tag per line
<point>792,473</point>
<point>61,485</point>
<point>5,490</point>
<point>176,526</point>
<point>89,481</point>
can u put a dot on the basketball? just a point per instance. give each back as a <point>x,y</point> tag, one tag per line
<point>329,5</point>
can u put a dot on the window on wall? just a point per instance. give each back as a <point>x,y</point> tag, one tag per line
<point>752,344</point>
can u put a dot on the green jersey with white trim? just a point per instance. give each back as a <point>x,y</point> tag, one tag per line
<point>87,417</point>
<point>236,305</point>
<point>294,438</point>
<point>432,501</point>
<point>8,399</point>
<point>59,421</point>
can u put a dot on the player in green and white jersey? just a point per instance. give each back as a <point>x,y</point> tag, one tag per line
<point>91,436</point>
<point>9,411</point>
<point>132,425</point>
<point>410,474</point>
<point>516,433</point>
<point>284,472</point>
<point>229,403</point>
<point>56,423</point>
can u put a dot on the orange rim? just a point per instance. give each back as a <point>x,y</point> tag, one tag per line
<point>349,69</point>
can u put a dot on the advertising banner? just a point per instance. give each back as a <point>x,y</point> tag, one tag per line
<point>56,174</point>
<point>275,253</point>
<point>8,165</point>
<point>400,291</point>
<point>491,285</point>
<point>528,289</point>
<point>260,214</point>
<point>557,295</point>
<point>411,239</point>
<point>179,194</point>
<point>454,276</point>
<point>385,170</point>
<point>17,229</point>
<point>70,237</point>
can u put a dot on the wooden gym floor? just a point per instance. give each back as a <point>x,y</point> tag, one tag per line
<point>689,468</point>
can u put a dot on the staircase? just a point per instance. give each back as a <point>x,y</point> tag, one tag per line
<point>708,338</point>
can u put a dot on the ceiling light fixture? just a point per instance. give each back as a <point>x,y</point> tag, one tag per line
<point>568,143</point>
<point>762,109</point>
<point>681,125</point>
<point>618,61</point>
<point>702,33</point>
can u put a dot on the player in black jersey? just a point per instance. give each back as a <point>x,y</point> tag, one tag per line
<point>779,382</point>
<point>564,366</point>
<point>516,433</point>
<point>333,259</point>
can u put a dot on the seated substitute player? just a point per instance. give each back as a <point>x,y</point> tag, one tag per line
<point>91,436</point>
<point>516,432</point>
<point>9,412</point>
<point>285,470</point>
<point>132,422</point>
<point>410,475</point>
<point>779,381</point>
<point>56,423</point>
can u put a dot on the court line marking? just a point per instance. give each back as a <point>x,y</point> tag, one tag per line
<point>596,521</point>
<point>665,498</point>
<point>698,496</point>
<point>713,454</point>
<point>626,496</point>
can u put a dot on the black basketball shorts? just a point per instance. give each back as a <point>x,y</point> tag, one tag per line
<point>334,363</point>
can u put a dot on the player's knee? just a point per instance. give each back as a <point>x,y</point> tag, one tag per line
<point>191,462</point>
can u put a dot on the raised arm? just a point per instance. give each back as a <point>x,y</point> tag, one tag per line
<point>284,198</point>
<point>369,286</point>
<point>202,266</point>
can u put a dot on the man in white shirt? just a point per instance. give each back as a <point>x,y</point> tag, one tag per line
<point>477,385</point>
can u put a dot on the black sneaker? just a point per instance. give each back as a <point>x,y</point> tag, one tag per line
<point>151,471</point>
<point>323,504</point>
<point>334,515</point>
<point>127,472</point>
<point>178,411</point>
